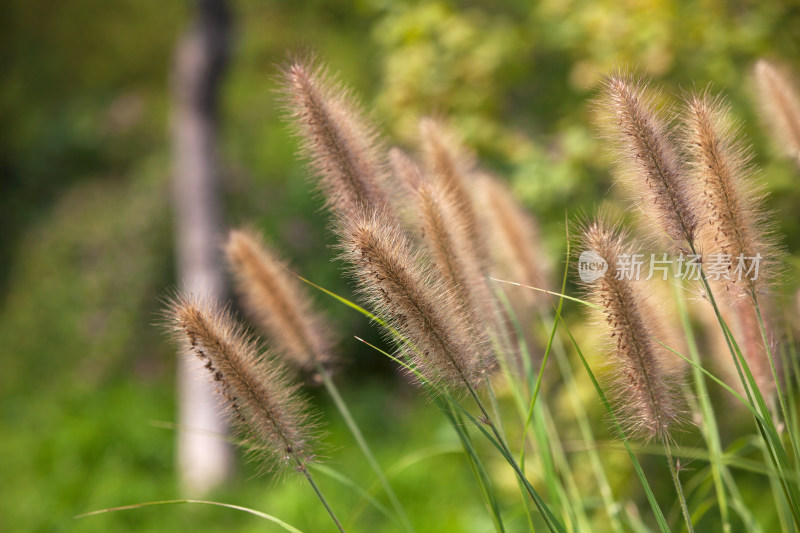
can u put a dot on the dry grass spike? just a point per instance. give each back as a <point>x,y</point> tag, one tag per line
<point>650,160</point>
<point>779,100</point>
<point>736,228</point>
<point>446,161</point>
<point>453,253</point>
<point>644,386</point>
<point>730,203</point>
<point>277,301</point>
<point>272,417</point>
<point>443,338</point>
<point>514,237</point>
<point>343,148</point>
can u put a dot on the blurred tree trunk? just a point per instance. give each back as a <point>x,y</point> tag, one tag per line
<point>201,56</point>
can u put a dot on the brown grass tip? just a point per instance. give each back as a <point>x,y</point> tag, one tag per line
<point>269,412</point>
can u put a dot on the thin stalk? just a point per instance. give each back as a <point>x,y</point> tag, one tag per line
<point>790,362</point>
<point>550,519</point>
<point>273,519</point>
<point>302,468</point>
<point>575,500</point>
<point>772,441</point>
<point>555,486</point>
<point>737,502</point>
<point>678,487</point>
<point>584,426</point>
<point>710,429</point>
<point>778,388</point>
<point>516,393</point>
<point>476,465</point>
<point>541,440</point>
<point>365,495</point>
<point>330,386</point>
<point>447,405</point>
<point>765,424</point>
<point>784,515</point>
<point>662,522</point>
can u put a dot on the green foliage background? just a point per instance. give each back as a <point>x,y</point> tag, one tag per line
<point>85,245</point>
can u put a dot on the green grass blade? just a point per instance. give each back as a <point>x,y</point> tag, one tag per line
<point>259,514</point>
<point>341,406</point>
<point>355,487</point>
<point>659,515</point>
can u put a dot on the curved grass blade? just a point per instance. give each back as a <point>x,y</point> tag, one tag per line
<point>347,482</point>
<point>259,514</point>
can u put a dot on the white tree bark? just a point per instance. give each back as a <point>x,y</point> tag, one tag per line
<point>204,458</point>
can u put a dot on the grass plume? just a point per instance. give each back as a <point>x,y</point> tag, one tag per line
<point>405,169</point>
<point>644,385</point>
<point>731,208</point>
<point>453,253</point>
<point>650,158</point>
<point>779,100</point>
<point>514,237</point>
<point>271,416</point>
<point>450,164</point>
<point>277,301</point>
<point>341,145</point>
<point>735,225</point>
<point>445,342</point>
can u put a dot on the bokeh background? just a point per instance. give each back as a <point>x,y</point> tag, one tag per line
<point>87,380</point>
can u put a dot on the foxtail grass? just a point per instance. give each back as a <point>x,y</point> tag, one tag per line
<point>268,410</point>
<point>650,160</point>
<point>342,147</point>
<point>779,100</point>
<point>646,389</point>
<point>445,341</point>
<point>421,241</point>
<point>277,300</point>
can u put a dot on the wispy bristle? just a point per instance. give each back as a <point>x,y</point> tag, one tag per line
<point>735,227</point>
<point>271,415</point>
<point>277,301</point>
<point>513,237</point>
<point>730,204</point>
<point>644,386</point>
<point>405,169</point>
<point>748,335</point>
<point>453,254</point>
<point>445,343</point>
<point>449,163</point>
<point>780,102</point>
<point>343,149</point>
<point>652,164</point>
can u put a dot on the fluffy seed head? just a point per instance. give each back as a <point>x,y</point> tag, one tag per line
<point>779,100</point>
<point>644,387</point>
<point>343,149</point>
<point>734,225</point>
<point>447,162</point>
<point>748,334</point>
<point>441,335</point>
<point>405,169</point>
<point>271,416</point>
<point>277,301</point>
<point>513,237</point>
<point>452,251</point>
<point>650,160</point>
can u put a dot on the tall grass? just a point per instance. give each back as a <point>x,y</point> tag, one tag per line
<point>449,267</point>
